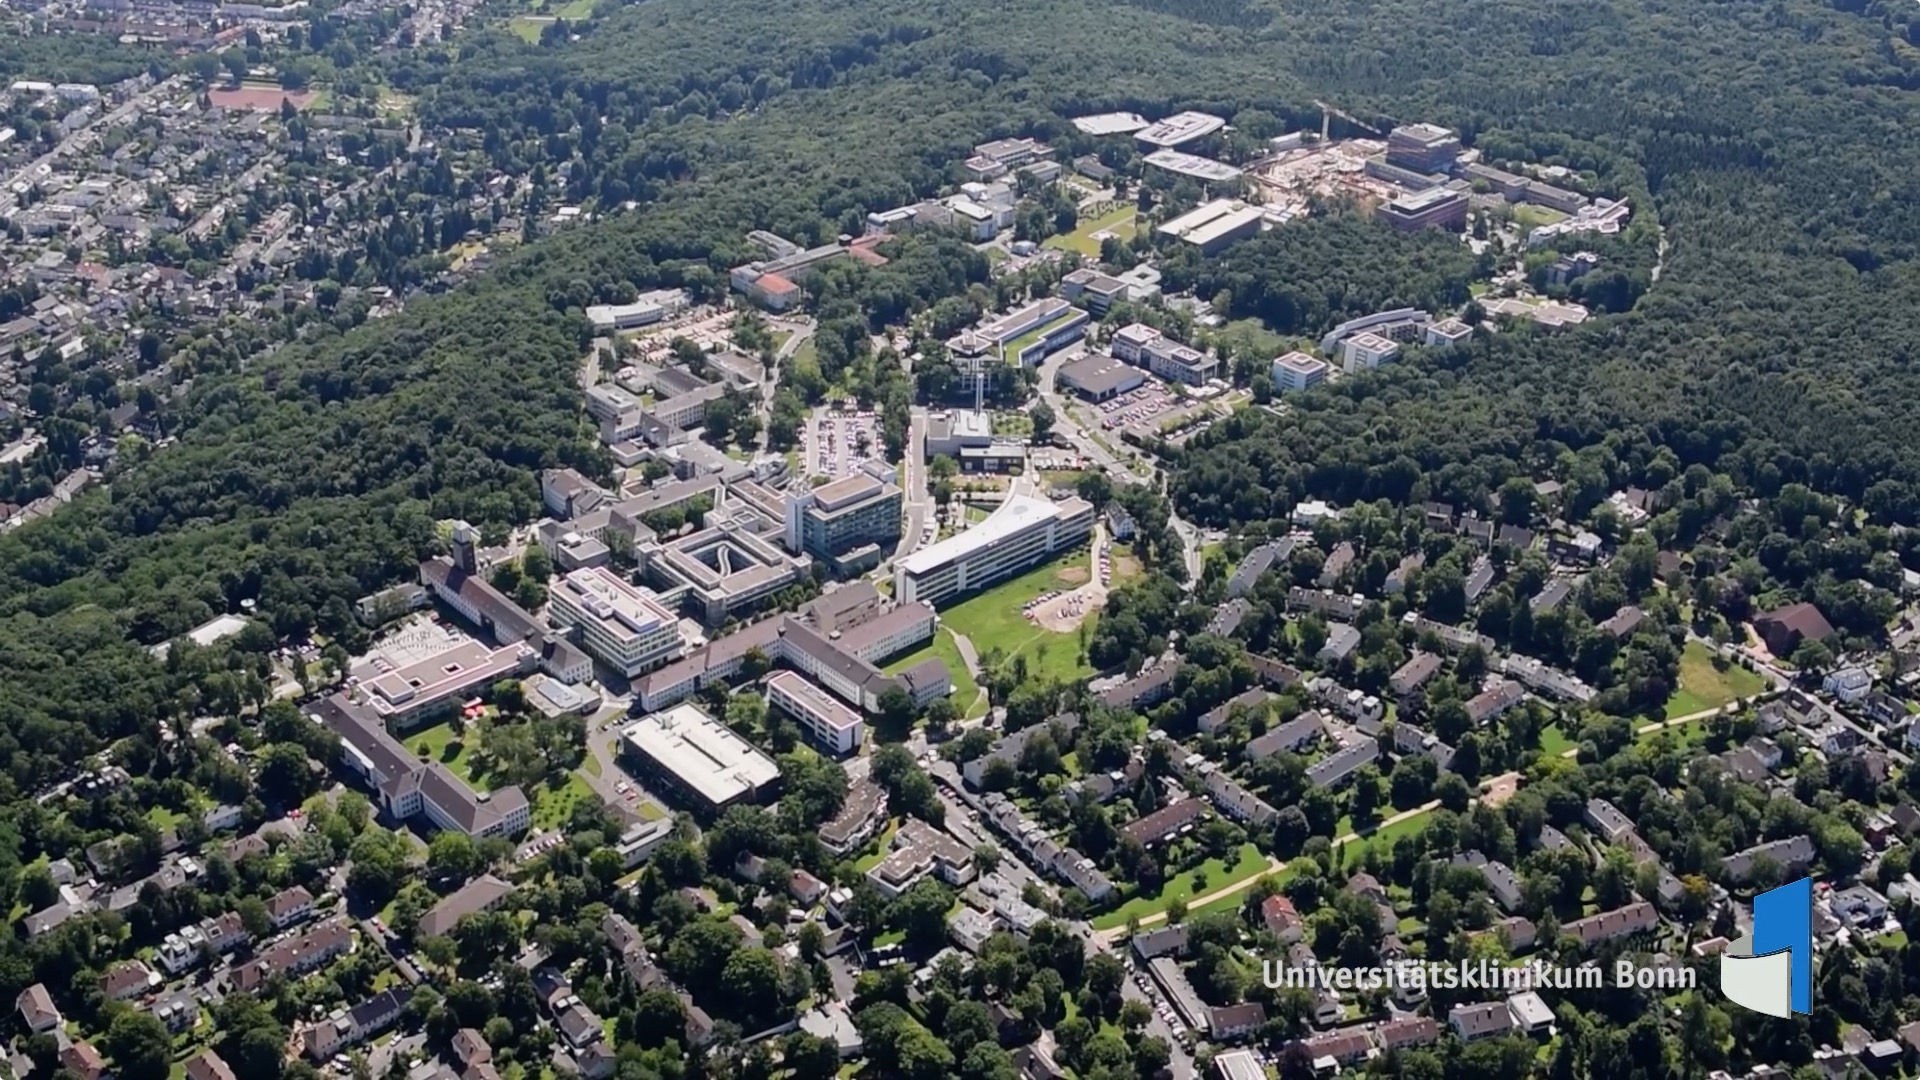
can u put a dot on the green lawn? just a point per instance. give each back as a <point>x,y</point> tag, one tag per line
<point>528,28</point>
<point>1120,221</point>
<point>884,844</point>
<point>966,693</point>
<point>440,743</point>
<point>1708,682</point>
<point>994,620</point>
<point>1554,742</point>
<point>1247,865</point>
<point>1033,335</point>
<point>1529,216</point>
<point>1250,337</point>
<point>1383,839</point>
<point>553,806</point>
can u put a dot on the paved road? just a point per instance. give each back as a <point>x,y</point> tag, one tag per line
<point>603,743</point>
<point>965,824</point>
<point>1069,426</point>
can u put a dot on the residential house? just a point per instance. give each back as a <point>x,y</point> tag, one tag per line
<point>1227,1023</point>
<point>1281,918</point>
<point>36,1009</point>
<point>1606,820</point>
<point>208,1065</point>
<point>1502,883</point>
<point>1406,1032</point>
<point>1483,708</point>
<point>1486,1020</point>
<point>82,1060</point>
<point>1792,856</point>
<point>1530,1013</point>
<point>1293,736</point>
<point>1638,917</point>
<point>1154,944</point>
<point>1409,678</point>
<point>1336,769</point>
<point>289,906</point>
<point>128,980</point>
<point>1167,822</point>
<point>1342,639</point>
<point>483,893</point>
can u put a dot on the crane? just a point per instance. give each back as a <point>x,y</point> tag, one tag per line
<point>1328,112</point>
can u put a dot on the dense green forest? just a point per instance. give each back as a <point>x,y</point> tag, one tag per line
<point>1770,140</point>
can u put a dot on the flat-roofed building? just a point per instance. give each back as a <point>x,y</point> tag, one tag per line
<point>846,523</point>
<point>1423,148</point>
<point>1436,207</point>
<point>623,624</point>
<point>861,813</point>
<point>1093,288</point>
<point>832,724</point>
<point>1012,152</point>
<point>405,695</point>
<point>1213,226</point>
<point>606,317</point>
<point>724,571</point>
<point>1113,123</point>
<point>920,849</point>
<point>1447,332</point>
<point>700,759</point>
<point>1098,378</point>
<point>1180,129</point>
<point>1296,371</point>
<point>1175,362</point>
<point>1205,170</point>
<point>1366,350</point>
<point>1022,532</point>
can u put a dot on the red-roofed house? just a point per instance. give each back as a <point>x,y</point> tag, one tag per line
<point>1280,916</point>
<point>1785,628</point>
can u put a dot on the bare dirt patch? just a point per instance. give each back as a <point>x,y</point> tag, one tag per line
<point>1064,613</point>
<point>1500,789</point>
<point>259,98</point>
<point>1073,575</point>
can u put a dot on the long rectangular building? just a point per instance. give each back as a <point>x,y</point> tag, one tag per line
<point>623,624</point>
<point>831,724</point>
<point>700,758</point>
<point>1022,532</point>
<point>838,653</point>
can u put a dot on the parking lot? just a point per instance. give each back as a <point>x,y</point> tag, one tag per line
<point>836,443</point>
<point>1137,406</point>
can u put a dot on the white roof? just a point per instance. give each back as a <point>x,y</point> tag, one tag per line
<point>1016,515</point>
<point>1113,123</point>
<point>702,753</point>
<point>1181,128</point>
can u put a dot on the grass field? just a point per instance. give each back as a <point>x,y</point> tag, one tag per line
<point>1554,742</point>
<point>966,693</point>
<point>553,806</point>
<point>1119,221</point>
<point>994,620</point>
<point>1247,864</point>
<point>1528,216</point>
<point>1708,682</point>
<point>1250,337</point>
<point>528,28</point>
<point>440,743</point>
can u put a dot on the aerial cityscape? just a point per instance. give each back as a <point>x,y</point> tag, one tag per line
<point>1078,540</point>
